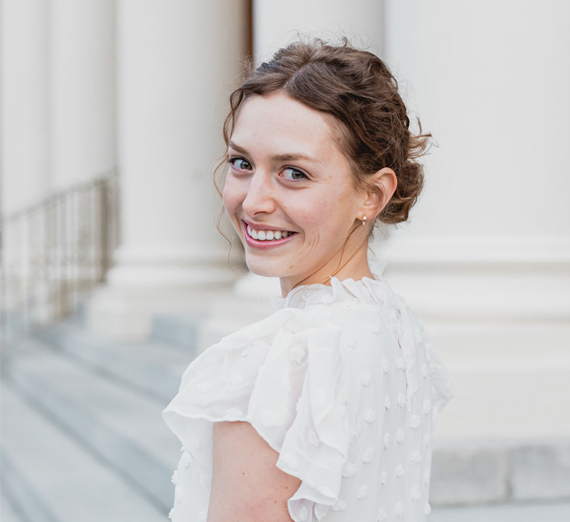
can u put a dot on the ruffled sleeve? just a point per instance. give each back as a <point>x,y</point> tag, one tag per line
<point>281,375</point>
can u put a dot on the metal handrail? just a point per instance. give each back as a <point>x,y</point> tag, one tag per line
<point>55,252</point>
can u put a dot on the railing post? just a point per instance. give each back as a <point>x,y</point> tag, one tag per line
<point>104,207</point>
<point>3,310</point>
<point>62,246</point>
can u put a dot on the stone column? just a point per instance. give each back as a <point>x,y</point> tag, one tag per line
<point>82,89</point>
<point>275,24</point>
<point>24,157</point>
<point>486,258</point>
<point>24,150</point>
<point>177,62</point>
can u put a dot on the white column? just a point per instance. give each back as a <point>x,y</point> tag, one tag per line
<point>277,23</point>
<point>486,258</point>
<point>82,89</point>
<point>24,157</point>
<point>177,63</point>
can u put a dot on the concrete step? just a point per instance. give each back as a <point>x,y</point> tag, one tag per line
<point>178,330</point>
<point>465,472</point>
<point>153,367</point>
<point>49,477</point>
<point>119,424</point>
<point>8,512</point>
<point>13,323</point>
<point>474,472</point>
<point>551,512</point>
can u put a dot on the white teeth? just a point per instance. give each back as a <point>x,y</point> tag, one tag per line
<point>267,235</point>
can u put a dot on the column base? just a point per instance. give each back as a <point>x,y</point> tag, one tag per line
<point>123,309</point>
<point>248,302</point>
<point>125,314</point>
<point>498,314</point>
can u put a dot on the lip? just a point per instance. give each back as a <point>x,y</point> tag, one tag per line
<point>264,245</point>
<point>255,226</point>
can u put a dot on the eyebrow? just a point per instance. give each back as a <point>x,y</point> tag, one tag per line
<point>277,157</point>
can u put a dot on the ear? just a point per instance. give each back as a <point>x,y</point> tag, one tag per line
<point>382,186</point>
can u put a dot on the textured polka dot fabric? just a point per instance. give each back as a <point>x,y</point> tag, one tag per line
<point>338,380</point>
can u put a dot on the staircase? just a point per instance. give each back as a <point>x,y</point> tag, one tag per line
<point>82,434</point>
<point>83,437</point>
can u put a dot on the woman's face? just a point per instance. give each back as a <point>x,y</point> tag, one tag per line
<point>288,191</point>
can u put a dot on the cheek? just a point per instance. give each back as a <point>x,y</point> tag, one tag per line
<point>232,195</point>
<point>324,216</point>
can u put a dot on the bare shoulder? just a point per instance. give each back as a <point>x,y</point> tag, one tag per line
<point>246,484</point>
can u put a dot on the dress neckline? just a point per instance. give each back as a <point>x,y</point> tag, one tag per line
<point>366,290</point>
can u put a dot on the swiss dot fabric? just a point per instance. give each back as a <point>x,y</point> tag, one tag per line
<point>338,380</point>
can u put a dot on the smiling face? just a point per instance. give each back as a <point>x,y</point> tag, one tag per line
<point>289,193</point>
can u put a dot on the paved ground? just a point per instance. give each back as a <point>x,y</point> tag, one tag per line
<point>559,512</point>
<point>7,513</point>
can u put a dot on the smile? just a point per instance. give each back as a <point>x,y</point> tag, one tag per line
<point>266,238</point>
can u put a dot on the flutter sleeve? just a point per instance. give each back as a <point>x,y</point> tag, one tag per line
<point>281,375</point>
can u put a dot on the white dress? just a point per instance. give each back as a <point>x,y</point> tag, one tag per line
<point>338,380</point>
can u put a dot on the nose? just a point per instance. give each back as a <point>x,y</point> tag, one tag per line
<point>260,197</point>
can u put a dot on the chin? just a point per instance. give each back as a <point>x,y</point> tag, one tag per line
<point>262,268</point>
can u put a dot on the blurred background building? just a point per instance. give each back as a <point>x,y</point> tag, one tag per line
<point>114,276</point>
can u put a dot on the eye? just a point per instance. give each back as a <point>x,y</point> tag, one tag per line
<point>239,163</point>
<point>294,174</point>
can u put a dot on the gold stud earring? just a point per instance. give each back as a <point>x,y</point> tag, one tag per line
<point>364,220</point>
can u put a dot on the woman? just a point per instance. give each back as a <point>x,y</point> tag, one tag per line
<point>323,410</point>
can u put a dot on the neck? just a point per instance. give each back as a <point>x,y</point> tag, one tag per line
<point>352,265</point>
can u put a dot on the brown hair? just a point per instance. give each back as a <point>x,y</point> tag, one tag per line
<point>358,92</point>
